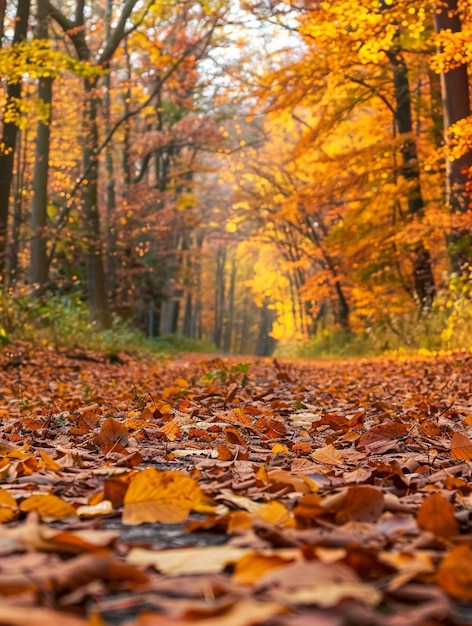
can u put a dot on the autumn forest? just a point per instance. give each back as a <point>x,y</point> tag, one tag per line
<point>249,175</point>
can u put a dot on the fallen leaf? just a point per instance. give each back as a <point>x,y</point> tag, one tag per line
<point>382,437</point>
<point>112,434</point>
<point>32,536</point>
<point>8,507</point>
<point>101,508</point>
<point>48,506</point>
<point>154,496</point>
<point>408,565</point>
<point>436,514</point>
<point>455,573</point>
<point>325,585</point>
<point>207,560</point>
<point>461,447</point>
<point>252,566</point>
<point>362,504</point>
<point>328,455</point>
<point>245,612</point>
<point>31,616</point>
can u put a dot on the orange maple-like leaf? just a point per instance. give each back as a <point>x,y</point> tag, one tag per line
<point>461,447</point>
<point>154,496</point>
<point>436,514</point>
<point>455,573</point>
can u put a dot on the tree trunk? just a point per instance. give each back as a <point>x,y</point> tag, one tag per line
<point>111,233</point>
<point>39,267</point>
<point>15,237</point>
<point>423,279</point>
<point>92,233</point>
<point>8,140</point>
<point>228,335</point>
<point>3,8</point>
<point>220,289</point>
<point>456,106</point>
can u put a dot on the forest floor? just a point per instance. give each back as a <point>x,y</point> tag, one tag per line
<point>234,492</point>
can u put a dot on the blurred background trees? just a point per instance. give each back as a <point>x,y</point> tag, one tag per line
<point>273,173</point>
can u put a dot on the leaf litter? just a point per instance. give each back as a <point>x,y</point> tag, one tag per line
<point>213,491</point>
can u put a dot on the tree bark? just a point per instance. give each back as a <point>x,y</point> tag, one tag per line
<point>456,106</point>
<point>39,266</point>
<point>97,290</point>
<point>220,289</point>
<point>423,278</point>
<point>111,232</point>
<point>8,140</point>
<point>3,9</point>
<point>99,308</point>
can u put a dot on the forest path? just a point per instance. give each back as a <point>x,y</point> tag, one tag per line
<point>234,490</point>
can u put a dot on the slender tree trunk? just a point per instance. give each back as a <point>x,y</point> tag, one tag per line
<point>110,225</point>
<point>94,245</point>
<point>229,330</point>
<point>127,126</point>
<point>220,289</point>
<point>3,9</point>
<point>39,266</point>
<point>436,111</point>
<point>13,264</point>
<point>8,140</point>
<point>341,308</point>
<point>423,278</point>
<point>456,106</point>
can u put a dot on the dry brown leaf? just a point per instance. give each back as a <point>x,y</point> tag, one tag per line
<point>115,488</point>
<point>436,514</point>
<point>245,612</point>
<point>455,573</point>
<point>154,496</point>
<point>233,436</point>
<point>211,559</point>
<point>362,504</point>
<point>383,437</point>
<point>112,434</point>
<point>31,616</point>
<point>328,455</point>
<point>461,447</point>
<point>309,508</point>
<point>32,536</point>
<point>317,583</point>
<point>408,565</point>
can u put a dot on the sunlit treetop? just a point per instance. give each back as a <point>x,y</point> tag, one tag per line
<point>36,59</point>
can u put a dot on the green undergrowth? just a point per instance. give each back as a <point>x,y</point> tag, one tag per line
<point>446,328</point>
<point>64,323</point>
